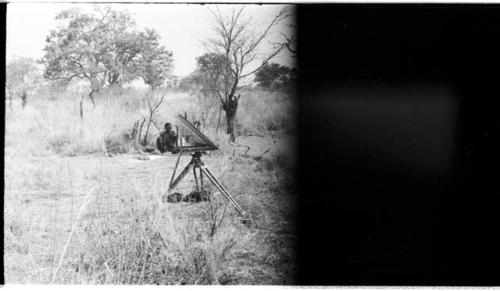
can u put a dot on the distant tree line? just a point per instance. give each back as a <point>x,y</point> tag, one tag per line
<point>271,76</point>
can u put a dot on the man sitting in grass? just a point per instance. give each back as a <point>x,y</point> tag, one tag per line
<point>167,141</point>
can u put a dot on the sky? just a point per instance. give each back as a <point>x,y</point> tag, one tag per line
<point>181,27</point>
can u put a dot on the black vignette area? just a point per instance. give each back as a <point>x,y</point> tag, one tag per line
<point>398,144</point>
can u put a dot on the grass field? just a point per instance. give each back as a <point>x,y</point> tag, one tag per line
<point>79,211</point>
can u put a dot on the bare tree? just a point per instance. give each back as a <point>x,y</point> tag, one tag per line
<point>231,57</point>
<point>289,38</point>
<point>153,106</point>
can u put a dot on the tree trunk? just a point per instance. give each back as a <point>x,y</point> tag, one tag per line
<point>218,121</point>
<point>230,126</point>
<point>81,107</point>
<point>91,96</point>
<point>24,99</point>
<point>230,107</point>
<point>145,141</point>
<point>113,79</point>
<point>140,129</point>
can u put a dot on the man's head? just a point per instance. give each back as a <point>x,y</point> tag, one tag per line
<point>168,126</point>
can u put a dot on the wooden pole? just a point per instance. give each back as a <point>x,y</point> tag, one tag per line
<point>218,122</point>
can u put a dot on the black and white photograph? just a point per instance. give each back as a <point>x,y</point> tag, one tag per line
<point>150,144</point>
<point>324,145</point>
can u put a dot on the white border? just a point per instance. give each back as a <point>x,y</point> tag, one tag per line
<point>263,1</point>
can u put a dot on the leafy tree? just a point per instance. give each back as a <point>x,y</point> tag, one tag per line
<point>215,75</point>
<point>156,60</point>
<point>80,47</point>
<point>275,76</point>
<point>22,78</point>
<point>102,47</point>
<point>231,57</point>
<point>121,60</point>
<point>198,84</point>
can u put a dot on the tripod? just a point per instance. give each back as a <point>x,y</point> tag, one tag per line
<point>196,163</point>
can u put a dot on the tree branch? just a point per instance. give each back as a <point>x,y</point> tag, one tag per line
<point>264,62</point>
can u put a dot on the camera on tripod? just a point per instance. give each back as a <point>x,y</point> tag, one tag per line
<point>190,140</point>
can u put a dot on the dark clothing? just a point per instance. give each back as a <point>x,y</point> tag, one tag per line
<point>167,141</point>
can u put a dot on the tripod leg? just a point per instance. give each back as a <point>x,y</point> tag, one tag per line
<point>221,188</point>
<point>175,168</point>
<point>196,178</point>
<point>181,175</point>
<point>201,179</point>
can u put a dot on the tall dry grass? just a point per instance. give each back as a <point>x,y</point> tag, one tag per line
<point>56,164</point>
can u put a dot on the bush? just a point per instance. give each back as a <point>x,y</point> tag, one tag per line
<point>263,111</point>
